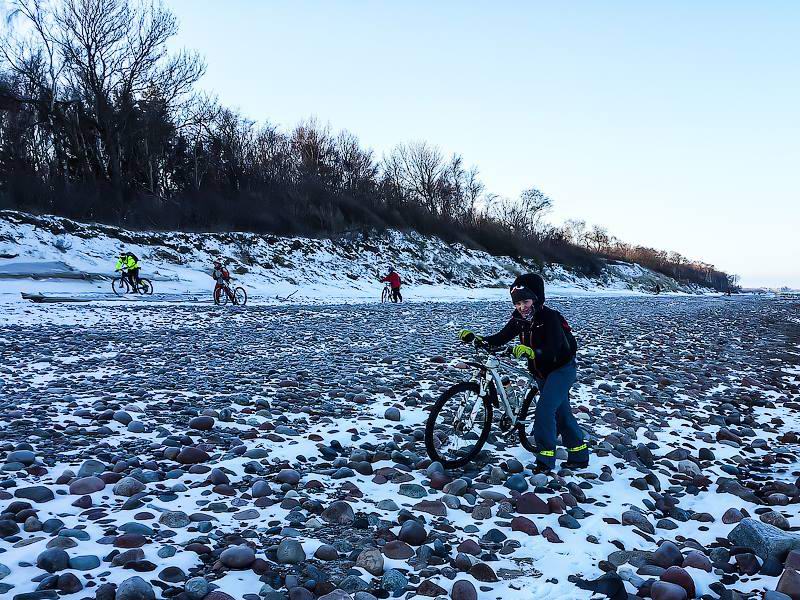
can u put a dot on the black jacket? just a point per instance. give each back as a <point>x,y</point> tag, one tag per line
<point>544,333</point>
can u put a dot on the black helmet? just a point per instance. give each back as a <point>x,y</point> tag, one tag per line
<point>533,283</point>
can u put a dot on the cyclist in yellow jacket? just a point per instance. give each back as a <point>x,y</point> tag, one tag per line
<point>129,265</point>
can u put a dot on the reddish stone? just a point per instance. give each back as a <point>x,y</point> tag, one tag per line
<point>664,590</point>
<point>469,547</point>
<point>789,584</point>
<point>130,540</point>
<point>698,560</point>
<point>525,525</point>
<point>551,536</point>
<point>530,504</point>
<point>556,505</point>
<point>432,507</point>
<point>681,577</point>
<point>439,480</point>
<point>398,550</point>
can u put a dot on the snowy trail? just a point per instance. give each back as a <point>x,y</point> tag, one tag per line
<point>243,426</point>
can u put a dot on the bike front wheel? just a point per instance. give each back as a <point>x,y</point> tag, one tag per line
<point>240,296</point>
<point>457,428</point>
<point>385,294</point>
<point>120,286</point>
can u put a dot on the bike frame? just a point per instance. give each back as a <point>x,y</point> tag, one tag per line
<point>488,374</point>
<point>125,276</point>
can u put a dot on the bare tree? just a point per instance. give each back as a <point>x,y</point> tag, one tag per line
<point>356,166</point>
<point>113,53</point>
<point>597,238</point>
<point>417,169</point>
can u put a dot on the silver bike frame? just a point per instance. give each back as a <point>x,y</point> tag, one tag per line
<point>488,374</point>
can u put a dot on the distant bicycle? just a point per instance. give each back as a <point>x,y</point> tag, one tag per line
<point>386,294</point>
<point>122,285</point>
<point>225,293</point>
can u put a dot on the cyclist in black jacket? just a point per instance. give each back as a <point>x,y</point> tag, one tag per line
<point>547,342</point>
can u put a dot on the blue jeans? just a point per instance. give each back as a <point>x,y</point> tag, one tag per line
<point>554,416</point>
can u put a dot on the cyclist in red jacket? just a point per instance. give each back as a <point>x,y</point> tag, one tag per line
<point>222,277</point>
<point>394,281</point>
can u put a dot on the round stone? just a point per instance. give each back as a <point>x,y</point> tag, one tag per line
<point>371,560</point>
<point>517,482</point>
<point>238,557</point>
<point>86,485</point>
<point>196,588</point>
<point>326,552</point>
<point>84,563</point>
<point>172,574</point>
<point>339,513</point>
<point>53,560</point>
<point>26,457</point>
<point>394,581</point>
<point>664,590</point>
<point>290,552</point>
<point>174,519</point>
<point>289,476</point>
<point>36,493</point>
<point>463,590</point>
<point>667,555</point>
<point>91,467</point>
<point>135,588</point>
<point>202,423</point>
<point>392,414</point>
<point>128,486</point>
<point>412,533</point>
<point>192,456</point>
<point>398,550</point>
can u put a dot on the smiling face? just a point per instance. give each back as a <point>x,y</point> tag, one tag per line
<point>524,307</point>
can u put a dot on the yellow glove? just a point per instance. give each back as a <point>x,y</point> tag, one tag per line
<point>467,336</point>
<point>523,351</point>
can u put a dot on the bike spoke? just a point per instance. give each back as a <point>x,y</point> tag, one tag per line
<point>459,425</point>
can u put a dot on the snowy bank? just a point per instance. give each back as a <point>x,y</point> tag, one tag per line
<point>57,255</point>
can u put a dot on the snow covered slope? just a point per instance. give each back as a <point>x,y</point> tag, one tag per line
<point>51,254</point>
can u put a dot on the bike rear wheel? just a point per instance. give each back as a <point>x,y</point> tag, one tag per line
<point>240,296</point>
<point>120,286</point>
<point>145,287</point>
<point>454,440</point>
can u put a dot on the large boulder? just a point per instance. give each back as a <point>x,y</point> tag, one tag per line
<point>767,541</point>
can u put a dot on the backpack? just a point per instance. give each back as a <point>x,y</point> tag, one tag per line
<point>573,343</point>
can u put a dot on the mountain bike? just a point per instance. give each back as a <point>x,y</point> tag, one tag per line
<point>121,284</point>
<point>461,419</point>
<point>386,294</point>
<point>238,295</point>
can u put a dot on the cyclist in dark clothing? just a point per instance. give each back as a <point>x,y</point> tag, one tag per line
<point>547,342</point>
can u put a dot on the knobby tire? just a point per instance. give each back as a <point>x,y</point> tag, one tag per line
<point>430,425</point>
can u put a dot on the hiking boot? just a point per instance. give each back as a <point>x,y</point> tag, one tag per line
<point>541,468</point>
<point>575,465</point>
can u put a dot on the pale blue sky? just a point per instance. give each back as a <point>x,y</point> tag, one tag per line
<point>674,124</point>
